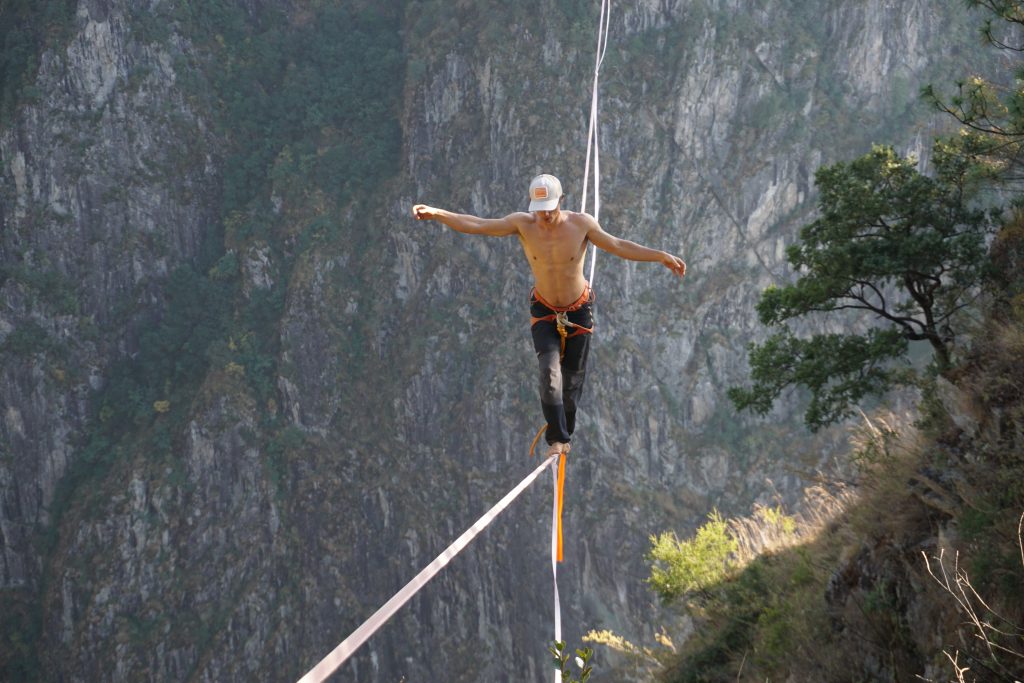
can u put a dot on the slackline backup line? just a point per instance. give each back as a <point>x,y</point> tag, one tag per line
<point>592,132</point>
<point>329,664</point>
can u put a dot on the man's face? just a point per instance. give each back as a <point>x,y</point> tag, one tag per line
<point>547,216</point>
<point>550,217</point>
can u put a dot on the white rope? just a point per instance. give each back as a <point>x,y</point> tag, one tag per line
<point>337,657</point>
<point>554,556</point>
<point>592,145</point>
<point>329,664</point>
<point>592,132</point>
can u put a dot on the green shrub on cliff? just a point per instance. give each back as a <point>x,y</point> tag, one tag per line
<point>680,567</point>
<point>26,28</point>
<point>906,249</point>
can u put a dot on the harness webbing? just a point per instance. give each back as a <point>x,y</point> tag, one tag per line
<point>560,317</point>
<point>338,655</point>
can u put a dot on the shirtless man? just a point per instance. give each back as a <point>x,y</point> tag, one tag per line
<point>561,304</point>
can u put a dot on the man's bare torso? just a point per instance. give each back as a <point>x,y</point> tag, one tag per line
<point>555,252</point>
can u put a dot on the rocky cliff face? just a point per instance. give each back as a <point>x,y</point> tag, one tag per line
<point>106,187</point>
<point>404,378</point>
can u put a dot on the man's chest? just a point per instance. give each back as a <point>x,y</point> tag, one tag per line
<point>560,244</point>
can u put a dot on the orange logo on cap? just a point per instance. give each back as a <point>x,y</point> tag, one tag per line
<point>540,192</point>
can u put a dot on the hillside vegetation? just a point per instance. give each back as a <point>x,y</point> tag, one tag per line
<point>915,569</point>
<point>920,572</point>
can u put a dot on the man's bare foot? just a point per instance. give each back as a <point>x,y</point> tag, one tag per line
<point>558,447</point>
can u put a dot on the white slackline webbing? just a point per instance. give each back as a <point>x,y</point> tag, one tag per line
<point>337,657</point>
<point>329,664</point>
<point>592,132</point>
<point>554,555</point>
<point>592,145</point>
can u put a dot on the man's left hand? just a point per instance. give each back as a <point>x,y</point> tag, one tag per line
<point>675,264</point>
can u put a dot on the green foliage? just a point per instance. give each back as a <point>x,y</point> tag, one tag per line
<point>681,567</point>
<point>285,442</point>
<point>167,368</point>
<point>762,622</point>
<point>728,629</point>
<point>51,286</point>
<point>312,106</point>
<point>906,248</point>
<point>775,518</point>
<point>27,27</point>
<point>20,627</point>
<point>582,660</point>
<point>226,268</point>
<point>172,354</point>
<point>1007,252</point>
<point>27,339</point>
<point>992,134</point>
<point>259,345</point>
<point>839,370</point>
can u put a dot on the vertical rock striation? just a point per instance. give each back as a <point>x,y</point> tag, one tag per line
<point>404,397</point>
<point>105,183</point>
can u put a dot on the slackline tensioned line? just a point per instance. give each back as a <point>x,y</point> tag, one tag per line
<point>592,131</point>
<point>329,664</point>
<point>337,657</point>
<point>556,515</point>
<point>558,472</point>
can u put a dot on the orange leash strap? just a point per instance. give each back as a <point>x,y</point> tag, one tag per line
<point>561,501</point>
<point>560,494</point>
<point>537,438</point>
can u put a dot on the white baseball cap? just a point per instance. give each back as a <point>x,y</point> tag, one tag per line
<point>545,191</point>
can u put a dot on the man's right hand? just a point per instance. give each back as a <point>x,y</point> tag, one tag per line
<point>460,222</point>
<point>422,212</point>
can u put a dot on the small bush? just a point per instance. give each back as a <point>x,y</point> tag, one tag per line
<point>681,567</point>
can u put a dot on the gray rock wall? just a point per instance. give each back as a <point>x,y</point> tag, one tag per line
<point>406,374</point>
<point>106,186</point>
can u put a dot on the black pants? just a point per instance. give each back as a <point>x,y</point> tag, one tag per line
<point>561,379</point>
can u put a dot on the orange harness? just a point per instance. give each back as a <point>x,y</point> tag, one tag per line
<point>561,316</point>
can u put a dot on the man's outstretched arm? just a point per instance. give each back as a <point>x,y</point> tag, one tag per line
<point>471,225</point>
<point>631,250</point>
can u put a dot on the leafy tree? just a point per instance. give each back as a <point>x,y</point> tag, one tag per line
<point>905,247</point>
<point>991,114</point>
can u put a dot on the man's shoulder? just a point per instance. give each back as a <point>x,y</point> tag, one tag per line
<point>519,217</point>
<point>584,219</point>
